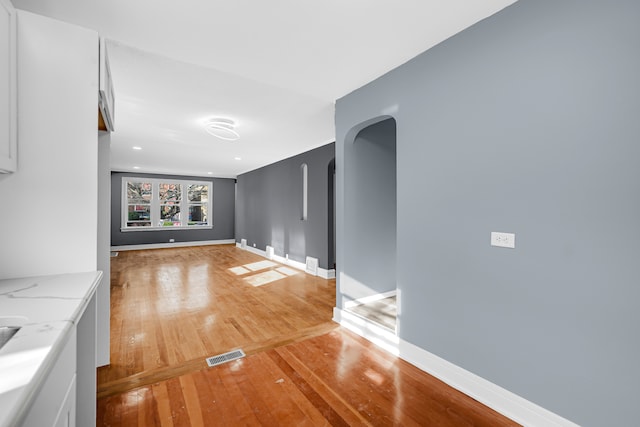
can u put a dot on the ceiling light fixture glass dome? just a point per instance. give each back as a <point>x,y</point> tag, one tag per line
<point>222,128</point>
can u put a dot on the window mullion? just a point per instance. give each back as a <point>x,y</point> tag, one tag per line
<point>155,203</point>
<point>184,203</point>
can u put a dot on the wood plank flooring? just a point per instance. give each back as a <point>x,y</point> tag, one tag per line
<point>173,307</point>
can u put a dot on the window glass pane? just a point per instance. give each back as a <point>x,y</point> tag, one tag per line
<point>170,192</point>
<point>170,215</point>
<point>198,215</point>
<point>138,192</point>
<point>198,193</point>
<point>139,216</point>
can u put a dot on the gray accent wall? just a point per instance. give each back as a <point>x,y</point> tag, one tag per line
<point>223,214</point>
<point>527,122</point>
<point>269,206</point>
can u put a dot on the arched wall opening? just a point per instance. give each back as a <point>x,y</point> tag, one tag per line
<point>368,275</point>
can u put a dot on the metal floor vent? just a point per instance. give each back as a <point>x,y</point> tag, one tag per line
<point>225,357</point>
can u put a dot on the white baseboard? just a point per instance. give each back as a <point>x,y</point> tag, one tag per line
<point>497,398</point>
<point>325,274</point>
<point>172,245</point>
<point>256,251</point>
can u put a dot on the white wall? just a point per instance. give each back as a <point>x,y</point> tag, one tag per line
<point>104,248</point>
<point>48,208</point>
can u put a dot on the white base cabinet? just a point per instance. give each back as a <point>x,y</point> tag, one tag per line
<point>57,396</point>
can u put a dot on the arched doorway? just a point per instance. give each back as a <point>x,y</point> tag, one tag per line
<point>369,285</point>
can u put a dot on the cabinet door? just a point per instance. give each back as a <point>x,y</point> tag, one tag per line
<point>58,391</point>
<point>67,415</point>
<point>8,104</point>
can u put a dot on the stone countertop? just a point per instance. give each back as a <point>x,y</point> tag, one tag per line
<point>47,308</point>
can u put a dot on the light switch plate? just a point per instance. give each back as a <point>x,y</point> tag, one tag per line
<point>503,240</point>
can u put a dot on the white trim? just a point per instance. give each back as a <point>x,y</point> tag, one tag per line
<point>269,251</point>
<point>370,298</point>
<point>172,245</point>
<point>155,203</point>
<point>326,274</point>
<point>501,400</point>
<point>256,251</point>
<point>286,261</point>
<point>495,397</point>
<point>176,228</point>
<point>322,273</point>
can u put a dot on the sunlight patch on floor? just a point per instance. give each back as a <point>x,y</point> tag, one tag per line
<point>260,265</point>
<point>288,271</point>
<point>264,278</point>
<point>239,271</point>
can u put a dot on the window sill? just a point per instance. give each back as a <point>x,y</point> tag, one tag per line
<point>193,227</point>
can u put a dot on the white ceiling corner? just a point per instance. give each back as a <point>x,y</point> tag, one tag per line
<point>275,67</point>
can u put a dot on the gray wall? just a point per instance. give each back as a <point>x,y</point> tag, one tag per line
<point>528,122</point>
<point>268,206</point>
<point>223,214</point>
<point>370,210</point>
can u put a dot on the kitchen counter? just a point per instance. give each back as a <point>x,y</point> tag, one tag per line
<point>48,307</point>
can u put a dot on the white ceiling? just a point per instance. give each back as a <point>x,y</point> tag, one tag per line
<point>276,67</point>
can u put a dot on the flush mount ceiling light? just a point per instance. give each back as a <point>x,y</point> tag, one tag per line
<point>222,128</point>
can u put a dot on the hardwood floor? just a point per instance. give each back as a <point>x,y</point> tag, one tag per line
<point>172,308</point>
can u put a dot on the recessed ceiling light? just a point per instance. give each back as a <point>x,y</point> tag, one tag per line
<point>136,167</point>
<point>209,173</point>
<point>238,158</point>
<point>222,128</point>
<point>137,148</point>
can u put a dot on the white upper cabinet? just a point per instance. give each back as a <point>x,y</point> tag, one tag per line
<point>8,103</point>
<point>106,101</point>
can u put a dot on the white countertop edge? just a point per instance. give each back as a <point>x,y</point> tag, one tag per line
<point>85,302</point>
<point>17,413</point>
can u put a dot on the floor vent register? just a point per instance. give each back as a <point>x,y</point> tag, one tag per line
<point>225,357</point>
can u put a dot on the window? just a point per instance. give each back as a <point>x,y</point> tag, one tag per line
<point>153,204</point>
<point>138,204</point>
<point>305,189</point>
<point>198,204</point>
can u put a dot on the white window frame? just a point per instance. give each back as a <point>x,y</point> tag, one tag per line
<point>155,204</point>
